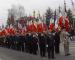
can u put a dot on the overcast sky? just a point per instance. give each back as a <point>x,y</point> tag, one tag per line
<point>30,5</point>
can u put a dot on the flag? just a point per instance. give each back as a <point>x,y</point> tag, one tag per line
<point>56,24</point>
<point>60,21</point>
<point>3,32</point>
<point>55,19</point>
<point>24,29</point>
<point>8,30</point>
<point>40,26</point>
<point>51,20</point>
<point>19,26</point>
<point>11,31</point>
<point>29,26</point>
<point>44,27</point>
<point>51,25</point>
<point>34,26</point>
<point>11,26</point>
<point>0,33</point>
<point>67,23</point>
<point>66,19</point>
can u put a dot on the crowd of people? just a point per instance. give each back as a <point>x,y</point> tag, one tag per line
<point>32,42</point>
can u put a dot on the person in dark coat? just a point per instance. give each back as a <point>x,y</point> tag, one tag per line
<point>17,42</point>
<point>12,39</point>
<point>2,40</point>
<point>21,37</point>
<point>34,44</point>
<point>28,42</point>
<point>42,44</point>
<point>57,42</point>
<point>50,42</point>
<point>7,42</point>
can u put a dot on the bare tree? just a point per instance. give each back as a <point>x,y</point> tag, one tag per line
<point>49,14</point>
<point>15,13</point>
<point>20,12</point>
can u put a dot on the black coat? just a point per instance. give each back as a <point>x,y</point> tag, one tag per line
<point>57,38</point>
<point>34,43</point>
<point>50,41</point>
<point>42,40</point>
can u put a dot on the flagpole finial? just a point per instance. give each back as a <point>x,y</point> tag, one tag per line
<point>59,9</point>
<point>34,13</point>
<point>38,13</point>
<point>65,6</point>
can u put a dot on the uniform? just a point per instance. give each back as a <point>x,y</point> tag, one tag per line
<point>8,43</point>
<point>57,42</point>
<point>17,42</point>
<point>14,42</point>
<point>50,42</point>
<point>28,41</point>
<point>34,44</point>
<point>42,44</point>
<point>21,38</point>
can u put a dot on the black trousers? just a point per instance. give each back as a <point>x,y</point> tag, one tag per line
<point>34,49</point>
<point>42,51</point>
<point>57,49</point>
<point>50,52</point>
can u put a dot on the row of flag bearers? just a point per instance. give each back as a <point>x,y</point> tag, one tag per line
<point>33,42</point>
<point>33,38</point>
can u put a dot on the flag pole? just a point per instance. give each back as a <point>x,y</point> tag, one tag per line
<point>34,13</point>
<point>65,11</point>
<point>54,16</point>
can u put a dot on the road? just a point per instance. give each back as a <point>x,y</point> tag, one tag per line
<point>8,54</point>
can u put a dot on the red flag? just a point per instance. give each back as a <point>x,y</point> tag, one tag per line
<point>24,30</point>
<point>29,26</point>
<point>67,24</point>
<point>57,30</point>
<point>60,21</point>
<point>0,32</point>
<point>40,28</point>
<point>34,28</point>
<point>51,27</point>
<point>11,31</point>
<point>7,30</point>
<point>44,27</point>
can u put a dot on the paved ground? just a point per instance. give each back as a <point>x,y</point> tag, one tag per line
<point>8,54</point>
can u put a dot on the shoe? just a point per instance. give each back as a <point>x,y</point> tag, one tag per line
<point>53,57</point>
<point>48,57</point>
<point>68,54</point>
